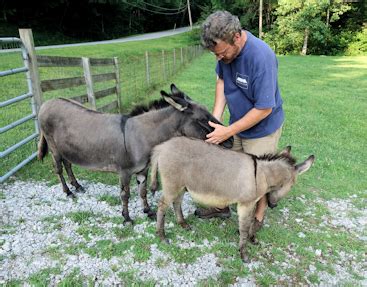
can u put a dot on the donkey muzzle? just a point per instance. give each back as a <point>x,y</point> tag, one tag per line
<point>272,205</point>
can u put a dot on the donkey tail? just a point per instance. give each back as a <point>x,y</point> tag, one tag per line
<point>154,171</point>
<point>42,147</point>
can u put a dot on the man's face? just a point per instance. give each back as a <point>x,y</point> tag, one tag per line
<point>227,52</point>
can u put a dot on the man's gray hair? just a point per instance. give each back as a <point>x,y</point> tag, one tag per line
<point>221,25</point>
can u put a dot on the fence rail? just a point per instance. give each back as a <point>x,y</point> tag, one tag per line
<point>88,79</point>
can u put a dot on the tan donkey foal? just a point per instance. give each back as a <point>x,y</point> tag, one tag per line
<point>217,177</point>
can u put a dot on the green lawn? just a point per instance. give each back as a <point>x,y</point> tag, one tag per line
<point>325,101</point>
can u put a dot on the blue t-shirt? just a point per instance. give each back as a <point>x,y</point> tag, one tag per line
<point>251,81</point>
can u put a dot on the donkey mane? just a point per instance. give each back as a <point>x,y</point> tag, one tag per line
<point>153,105</point>
<point>278,156</point>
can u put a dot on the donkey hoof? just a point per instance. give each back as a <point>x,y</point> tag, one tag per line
<point>152,215</point>
<point>254,240</point>
<point>245,259</point>
<point>162,236</point>
<point>71,195</point>
<point>128,222</point>
<point>164,240</point>
<point>80,189</point>
<point>184,225</point>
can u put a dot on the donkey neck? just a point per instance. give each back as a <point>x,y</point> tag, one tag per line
<point>270,174</point>
<point>159,125</point>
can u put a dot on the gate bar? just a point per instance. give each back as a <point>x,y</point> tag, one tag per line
<point>16,99</point>
<point>19,144</point>
<point>27,49</point>
<point>17,123</point>
<point>18,167</point>
<point>13,71</point>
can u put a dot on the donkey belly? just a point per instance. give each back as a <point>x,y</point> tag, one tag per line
<point>91,161</point>
<point>91,154</point>
<point>208,199</point>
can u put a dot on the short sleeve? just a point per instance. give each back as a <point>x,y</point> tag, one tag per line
<point>219,70</point>
<point>265,85</point>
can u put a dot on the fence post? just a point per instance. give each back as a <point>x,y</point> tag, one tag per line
<point>118,88</point>
<point>89,82</point>
<point>27,38</point>
<point>174,61</point>
<point>181,56</point>
<point>147,67</point>
<point>164,66</point>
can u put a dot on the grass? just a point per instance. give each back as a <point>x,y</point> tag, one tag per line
<point>325,101</point>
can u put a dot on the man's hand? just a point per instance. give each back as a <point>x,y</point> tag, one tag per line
<point>220,133</point>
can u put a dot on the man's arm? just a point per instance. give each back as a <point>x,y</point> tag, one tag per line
<point>220,100</point>
<point>221,133</point>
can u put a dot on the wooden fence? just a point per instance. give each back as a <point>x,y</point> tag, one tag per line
<point>88,79</point>
<point>139,73</point>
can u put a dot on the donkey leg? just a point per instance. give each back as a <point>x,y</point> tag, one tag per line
<point>162,206</point>
<point>125,195</point>
<point>177,206</point>
<point>142,189</point>
<point>57,161</point>
<point>245,219</point>
<point>71,176</point>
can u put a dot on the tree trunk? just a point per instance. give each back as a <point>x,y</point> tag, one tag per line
<point>260,18</point>
<point>328,13</point>
<point>268,16</point>
<point>305,41</point>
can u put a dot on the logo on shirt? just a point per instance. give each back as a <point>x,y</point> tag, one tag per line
<point>242,81</point>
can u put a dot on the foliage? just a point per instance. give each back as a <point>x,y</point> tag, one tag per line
<point>93,19</point>
<point>331,25</point>
<point>358,46</point>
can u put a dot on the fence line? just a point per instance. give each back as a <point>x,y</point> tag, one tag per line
<point>134,77</point>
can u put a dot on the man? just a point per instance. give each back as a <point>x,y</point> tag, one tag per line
<point>247,81</point>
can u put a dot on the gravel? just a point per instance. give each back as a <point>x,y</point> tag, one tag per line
<point>30,212</point>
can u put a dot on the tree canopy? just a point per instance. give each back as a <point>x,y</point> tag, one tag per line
<point>290,26</point>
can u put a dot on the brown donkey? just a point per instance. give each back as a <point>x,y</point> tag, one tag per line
<point>217,177</point>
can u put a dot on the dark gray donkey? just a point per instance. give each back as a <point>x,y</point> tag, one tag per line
<point>117,143</point>
<point>217,177</point>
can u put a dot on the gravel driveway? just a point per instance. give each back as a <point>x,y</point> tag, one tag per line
<point>40,227</point>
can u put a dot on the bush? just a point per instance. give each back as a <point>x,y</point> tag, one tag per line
<point>358,46</point>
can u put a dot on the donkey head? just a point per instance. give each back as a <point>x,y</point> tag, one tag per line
<point>286,173</point>
<point>195,117</point>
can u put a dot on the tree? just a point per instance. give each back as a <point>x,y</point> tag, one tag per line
<point>304,24</point>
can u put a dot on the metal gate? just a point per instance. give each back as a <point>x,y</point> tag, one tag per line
<point>26,96</point>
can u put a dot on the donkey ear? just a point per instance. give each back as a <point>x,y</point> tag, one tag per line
<point>174,89</point>
<point>177,103</point>
<point>286,151</point>
<point>305,166</point>
<point>164,94</point>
